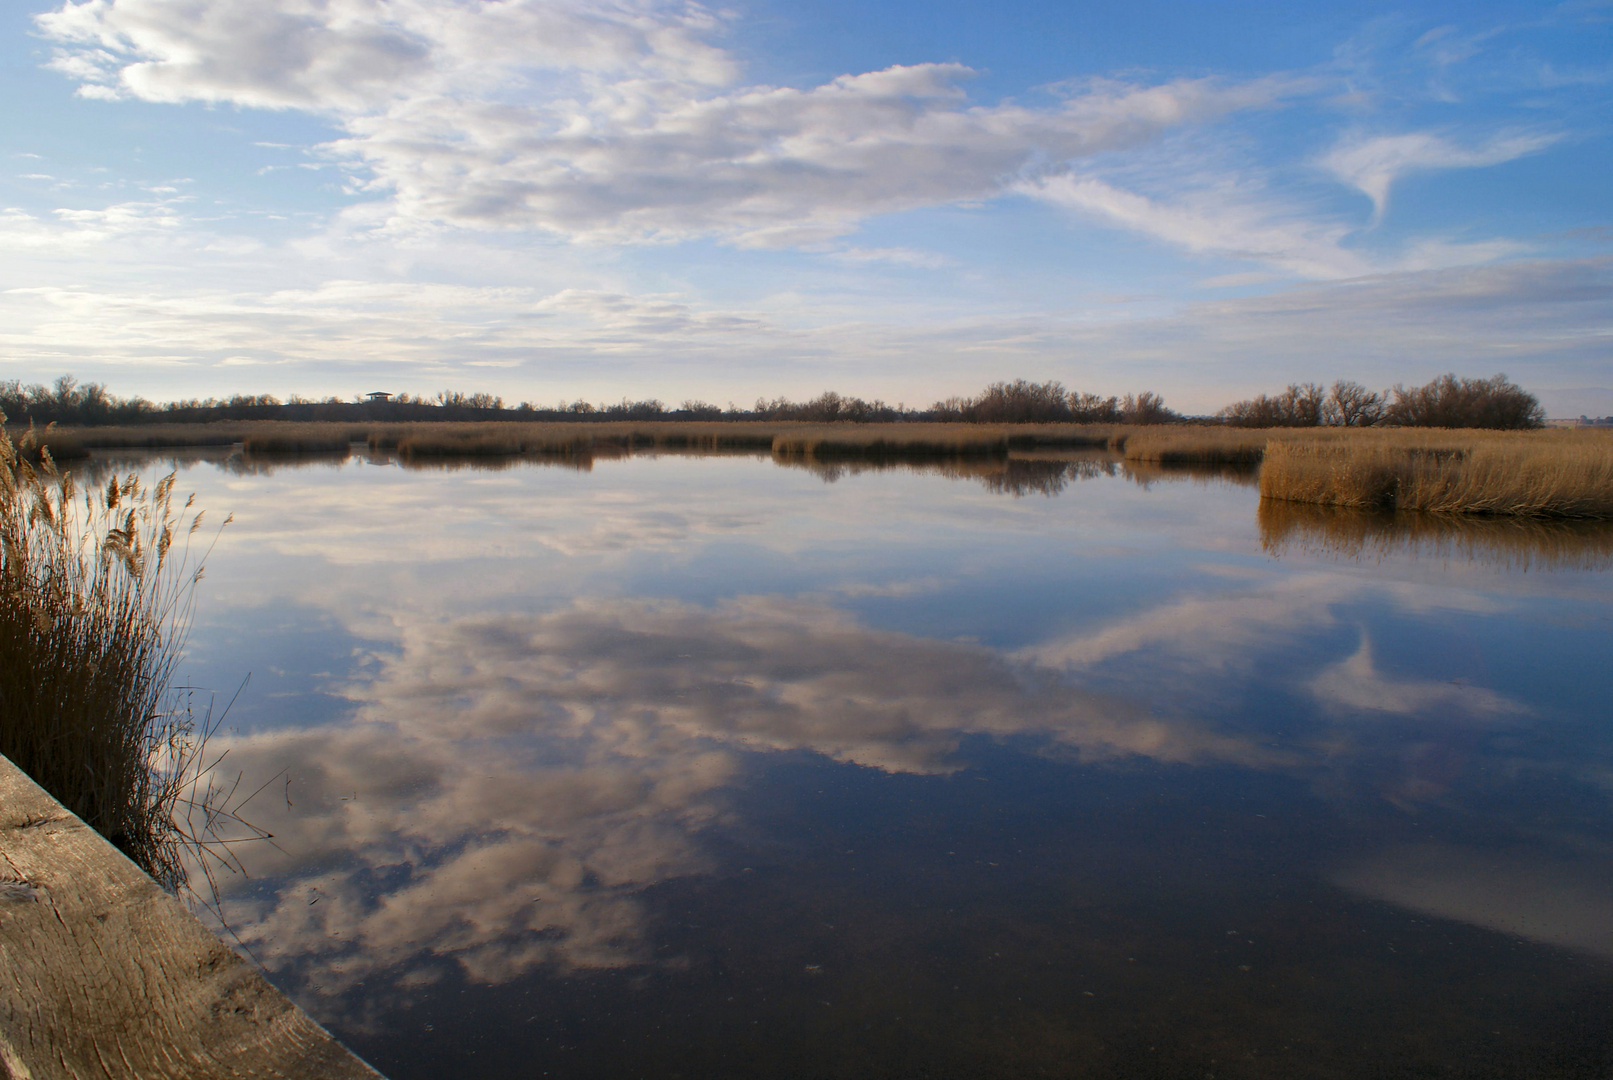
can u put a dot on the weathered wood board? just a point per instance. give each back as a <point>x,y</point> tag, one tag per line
<point>102,974</point>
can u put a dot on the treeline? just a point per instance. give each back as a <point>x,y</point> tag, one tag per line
<point>70,402</point>
<point>1021,402</point>
<point>1446,402</point>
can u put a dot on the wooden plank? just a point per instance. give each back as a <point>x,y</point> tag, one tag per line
<point>102,974</point>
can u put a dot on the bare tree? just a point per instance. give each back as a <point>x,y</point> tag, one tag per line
<point>1349,404</point>
<point>1475,403</point>
<point>1298,406</point>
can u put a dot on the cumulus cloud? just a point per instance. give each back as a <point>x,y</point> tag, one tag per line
<point>608,122</point>
<point>345,57</point>
<point>1373,164</point>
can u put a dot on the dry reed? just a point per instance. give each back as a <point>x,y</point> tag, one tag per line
<point>97,601</point>
<point>1195,445</point>
<point>1532,474</point>
<point>303,439</point>
<point>566,439</point>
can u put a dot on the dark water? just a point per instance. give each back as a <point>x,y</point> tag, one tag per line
<point>707,767</point>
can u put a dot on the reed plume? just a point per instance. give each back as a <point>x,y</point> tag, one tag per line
<point>97,591</point>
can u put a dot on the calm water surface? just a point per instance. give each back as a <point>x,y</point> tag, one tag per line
<point>708,767</point>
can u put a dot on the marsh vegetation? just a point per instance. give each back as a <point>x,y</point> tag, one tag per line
<point>97,593</point>
<point>1567,474</point>
<point>1551,473</point>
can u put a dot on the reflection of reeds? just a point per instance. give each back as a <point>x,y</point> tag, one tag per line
<point>96,601</point>
<point>1014,476</point>
<point>1510,542</point>
<point>1147,473</point>
<point>1536,473</point>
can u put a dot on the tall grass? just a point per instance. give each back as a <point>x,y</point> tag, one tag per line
<point>563,439</point>
<point>97,592</point>
<point>1195,445</point>
<point>1532,474</point>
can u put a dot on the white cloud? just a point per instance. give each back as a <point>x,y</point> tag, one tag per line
<point>1209,632</point>
<point>1217,221</point>
<point>1355,683</point>
<point>608,122</point>
<point>1373,164</point>
<point>82,230</point>
<point>1241,221</point>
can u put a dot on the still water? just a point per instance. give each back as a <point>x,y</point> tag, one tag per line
<point>709,767</point>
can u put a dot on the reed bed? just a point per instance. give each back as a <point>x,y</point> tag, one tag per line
<point>98,587</point>
<point>563,439</point>
<point>1513,543</point>
<point>322,443</point>
<point>1146,473</point>
<point>1200,444</point>
<point>162,436</point>
<point>1525,473</point>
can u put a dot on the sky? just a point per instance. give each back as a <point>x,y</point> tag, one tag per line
<point>552,199</point>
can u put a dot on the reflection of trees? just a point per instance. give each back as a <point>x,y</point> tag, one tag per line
<point>509,782</point>
<point>1511,542</point>
<point>1015,476</point>
<point>1021,477</point>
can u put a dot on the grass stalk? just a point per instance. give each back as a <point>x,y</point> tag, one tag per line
<point>98,587</point>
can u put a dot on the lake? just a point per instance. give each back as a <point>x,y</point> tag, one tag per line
<point>709,767</point>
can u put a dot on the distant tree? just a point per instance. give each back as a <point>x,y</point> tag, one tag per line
<point>1020,402</point>
<point>1146,408</point>
<point>1092,409</point>
<point>1349,404</point>
<point>1465,403</point>
<point>1300,405</point>
<point>454,399</point>
<point>649,409</point>
<point>700,410</point>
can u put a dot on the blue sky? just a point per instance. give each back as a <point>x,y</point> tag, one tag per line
<point>559,198</point>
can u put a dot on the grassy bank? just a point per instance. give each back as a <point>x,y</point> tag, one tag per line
<point>1567,474</point>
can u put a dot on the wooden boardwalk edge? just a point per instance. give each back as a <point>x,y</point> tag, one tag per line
<point>103,974</point>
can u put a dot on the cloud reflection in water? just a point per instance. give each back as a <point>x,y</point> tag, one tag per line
<point>509,780</point>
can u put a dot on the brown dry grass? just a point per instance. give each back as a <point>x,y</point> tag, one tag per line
<point>1551,473</point>
<point>95,602</point>
<point>1195,445</point>
<point>496,438</point>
